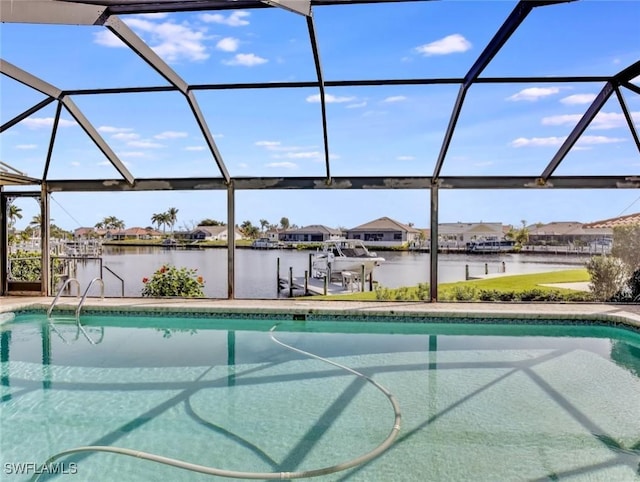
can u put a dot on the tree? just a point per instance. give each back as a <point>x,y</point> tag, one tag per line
<point>210,222</point>
<point>172,217</point>
<point>521,236</point>
<point>112,222</point>
<point>249,230</point>
<point>15,213</point>
<point>164,220</point>
<point>284,222</point>
<point>263,224</point>
<point>626,246</point>
<point>158,219</point>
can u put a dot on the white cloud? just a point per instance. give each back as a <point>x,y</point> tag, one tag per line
<point>448,45</point>
<point>358,105</point>
<point>112,129</point>
<point>171,41</point>
<point>593,140</point>
<point>395,98</point>
<point>286,165</point>
<point>194,148</point>
<point>75,164</point>
<point>534,93</point>
<point>405,158</point>
<point>557,141</point>
<point>246,60</point>
<point>144,144</point>
<point>330,99</point>
<point>125,136</point>
<point>537,141</point>
<point>268,144</point>
<point>236,19</point>
<point>303,155</point>
<point>170,135</point>
<point>26,146</point>
<point>604,120</point>
<point>578,99</point>
<point>228,44</point>
<point>277,146</point>
<point>43,122</point>
<point>106,38</point>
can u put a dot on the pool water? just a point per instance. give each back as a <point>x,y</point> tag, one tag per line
<point>479,402</point>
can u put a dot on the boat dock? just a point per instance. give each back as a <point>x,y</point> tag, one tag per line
<point>346,282</point>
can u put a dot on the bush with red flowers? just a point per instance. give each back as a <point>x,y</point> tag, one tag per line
<point>169,280</point>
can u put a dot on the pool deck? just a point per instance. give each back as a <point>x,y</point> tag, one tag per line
<point>627,313</point>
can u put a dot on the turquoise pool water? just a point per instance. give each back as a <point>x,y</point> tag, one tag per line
<point>479,402</point>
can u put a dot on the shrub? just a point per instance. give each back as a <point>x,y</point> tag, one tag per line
<point>630,292</point>
<point>424,291</point>
<point>462,293</point>
<point>25,266</point>
<point>608,276</point>
<point>172,281</point>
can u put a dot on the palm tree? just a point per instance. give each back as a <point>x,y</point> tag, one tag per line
<point>164,220</point>
<point>263,224</point>
<point>157,219</point>
<point>15,213</point>
<point>112,222</point>
<point>172,216</point>
<point>284,222</point>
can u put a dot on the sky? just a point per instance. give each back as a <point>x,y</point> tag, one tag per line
<point>503,130</point>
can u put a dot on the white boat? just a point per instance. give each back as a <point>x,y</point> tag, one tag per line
<point>266,243</point>
<point>342,255</point>
<point>493,246</point>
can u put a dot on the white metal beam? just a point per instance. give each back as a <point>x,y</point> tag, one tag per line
<point>303,7</point>
<point>49,12</point>
<point>30,80</point>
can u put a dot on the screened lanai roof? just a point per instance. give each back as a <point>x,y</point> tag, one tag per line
<point>152,95</point>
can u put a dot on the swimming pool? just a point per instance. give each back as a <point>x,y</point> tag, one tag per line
<point>478,401</point>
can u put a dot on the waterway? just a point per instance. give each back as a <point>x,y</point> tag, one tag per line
<point>257,270</point>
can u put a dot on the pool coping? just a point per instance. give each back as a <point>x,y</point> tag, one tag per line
<point>616,314</point>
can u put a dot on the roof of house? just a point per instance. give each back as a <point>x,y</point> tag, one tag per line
<point>137,231</point>
<point>385,224</point>
<point>480,227</point>
<point>627,220</point>
<point>562,228</point>
<point>314,228</point>
<point>211,230</point>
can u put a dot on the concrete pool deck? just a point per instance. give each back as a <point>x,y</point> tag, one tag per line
<point>627,313</point>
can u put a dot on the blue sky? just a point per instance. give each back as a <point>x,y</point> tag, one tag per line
<point>504,129</point>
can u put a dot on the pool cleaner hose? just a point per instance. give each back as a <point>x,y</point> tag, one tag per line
<point>383,446</point>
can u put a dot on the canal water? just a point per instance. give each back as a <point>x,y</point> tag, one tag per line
<point>257,270</point>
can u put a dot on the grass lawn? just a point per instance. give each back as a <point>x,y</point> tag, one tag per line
<point>521,282</point>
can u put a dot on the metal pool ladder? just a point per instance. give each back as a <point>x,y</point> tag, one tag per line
<point>84,296</point>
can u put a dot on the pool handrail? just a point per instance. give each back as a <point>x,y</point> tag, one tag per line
<point>62,288</point>
<point>86,292</point>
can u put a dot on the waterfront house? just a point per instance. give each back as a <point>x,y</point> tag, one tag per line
<point>272,235</point>
<point>89,233</point>
<point>385,232</point>
<point>135,233</point>
<point>213,233</point>
<point>627,220</point>
<point>314,233</point>
<point>569,233</point>
<point>459,235</point>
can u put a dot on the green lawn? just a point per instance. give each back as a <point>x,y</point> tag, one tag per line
<point>522,282</point>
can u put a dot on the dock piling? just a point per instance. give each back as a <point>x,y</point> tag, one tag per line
<point>290,282</point>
